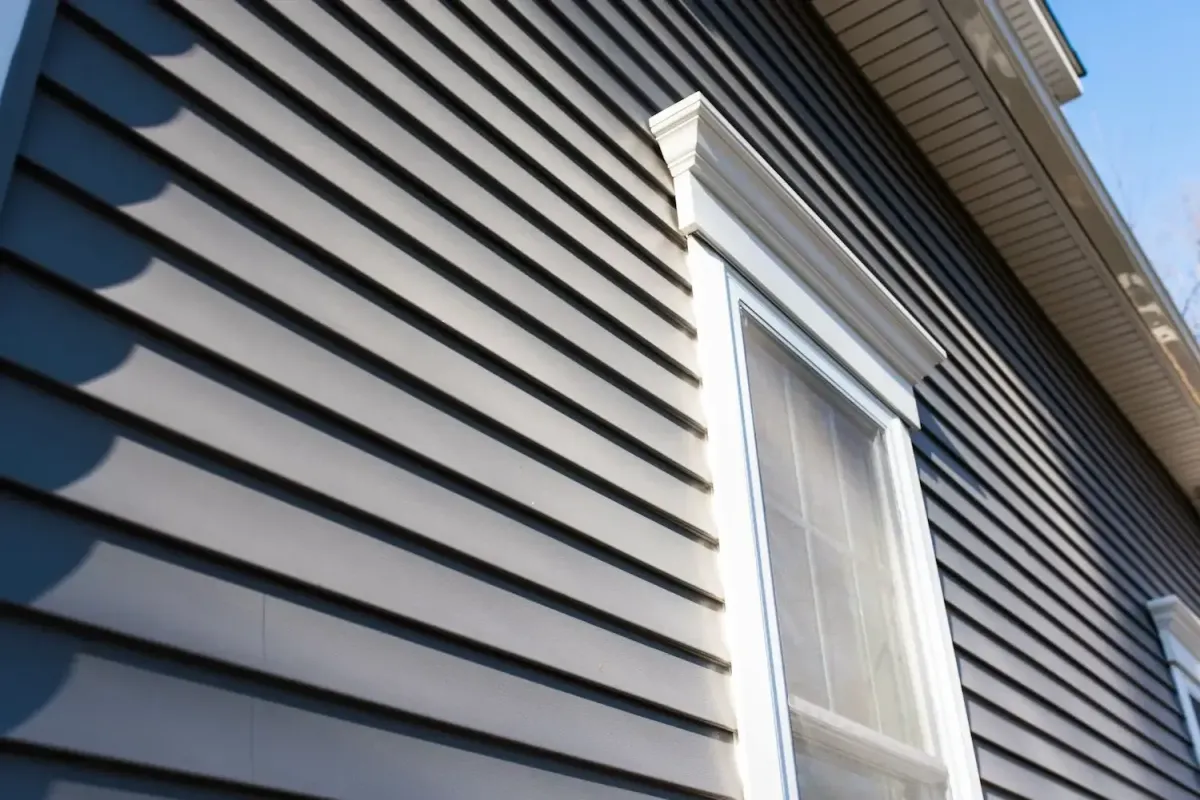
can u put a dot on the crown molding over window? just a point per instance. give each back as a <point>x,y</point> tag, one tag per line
<point>1179,629</point>
<point>710,160</point>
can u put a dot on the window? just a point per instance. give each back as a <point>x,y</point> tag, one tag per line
<point>845,640</point>
<point>1179,631</point>
<point>845,680</point>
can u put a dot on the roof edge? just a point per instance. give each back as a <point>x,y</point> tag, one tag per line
<point>1061,32</point>
<point>1015,91</point>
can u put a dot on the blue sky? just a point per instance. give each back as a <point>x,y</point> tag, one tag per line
<point>1139,120</point>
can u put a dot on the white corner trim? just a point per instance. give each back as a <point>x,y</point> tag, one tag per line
<point>1179,630</point>
<point>707,156</point>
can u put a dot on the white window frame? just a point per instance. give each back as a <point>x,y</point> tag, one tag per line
<point>1179,632</point>
<point>754,244</point>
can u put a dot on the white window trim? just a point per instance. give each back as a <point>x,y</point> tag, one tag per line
<point>1179,631</point>
<point>754,243</point>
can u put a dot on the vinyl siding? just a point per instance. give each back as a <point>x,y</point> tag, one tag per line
<point>1052,522</point>
<point>358,336</point>
<point>353,444</point>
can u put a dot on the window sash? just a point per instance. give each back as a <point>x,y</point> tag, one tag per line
<point>824,733</point>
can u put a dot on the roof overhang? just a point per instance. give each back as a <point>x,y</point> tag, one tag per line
<point>1046,47</point>
<point>981,98</point>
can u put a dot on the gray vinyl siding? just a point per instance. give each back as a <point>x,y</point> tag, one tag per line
<point>1052,523</point>
<point>352,437</point>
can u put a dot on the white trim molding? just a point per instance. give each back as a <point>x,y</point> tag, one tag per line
<point>713,166</point>
<point>838,738</point>
<point>757,250</point>
<point>1045,46</point>
<point>1179,631</point>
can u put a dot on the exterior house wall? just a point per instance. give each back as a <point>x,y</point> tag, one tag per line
<point>351,416</point>
<point>353,442</point>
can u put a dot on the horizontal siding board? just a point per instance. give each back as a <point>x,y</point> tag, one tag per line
<point>1067,501</point>
<point>220,511</point>
<point>258,735</point>
<point>211,235</point>
<point>595,231</point>
<point>1016,778</point>
<point>1039,749</point>
<point>991,659</point>
<point>198,402</point>
<point>1064,731</point>
<point>566,81</point>
<point>256,627</point>
<point>89,71</point>
<point>952,500</point>
<point>348,230</point>
<point>962,603</point>
<point>31,773</point>
<point>472,72</point>
<point>1108,668</point>
<point>1097,622</point>
<point>630,666</point>
<point>1116,556</point>
<point>169,297</point>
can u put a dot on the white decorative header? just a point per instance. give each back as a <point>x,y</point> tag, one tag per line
<point>710,161</point>
<point>1179,629</point>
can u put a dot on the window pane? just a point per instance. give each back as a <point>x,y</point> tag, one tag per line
<point>832,560</point>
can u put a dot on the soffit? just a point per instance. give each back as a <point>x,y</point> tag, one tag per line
<point>959,77</point>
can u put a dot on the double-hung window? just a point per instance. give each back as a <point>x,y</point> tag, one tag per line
<point>843,671</point>
<point>1179,631</point>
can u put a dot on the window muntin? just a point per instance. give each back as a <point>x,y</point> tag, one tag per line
<point>839,589</point>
